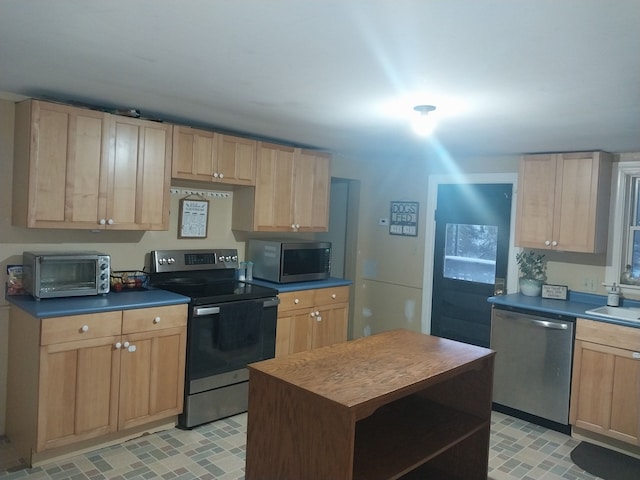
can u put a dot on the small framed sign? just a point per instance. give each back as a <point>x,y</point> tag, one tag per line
<point>404,219</point>
<point>558,292</point>
<point>193,219</point>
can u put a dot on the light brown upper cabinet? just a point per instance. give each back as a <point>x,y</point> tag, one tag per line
<point>80,168</point>
<point>291,192</point>
<point>213,157</point>
<point>563,201</point>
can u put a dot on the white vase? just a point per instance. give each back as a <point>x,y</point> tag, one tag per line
<point>530,287</point>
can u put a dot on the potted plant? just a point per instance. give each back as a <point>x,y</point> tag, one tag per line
<point>532,272</point>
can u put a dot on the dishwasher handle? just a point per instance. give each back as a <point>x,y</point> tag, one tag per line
<point>533,320</point>
<point>547,324</point>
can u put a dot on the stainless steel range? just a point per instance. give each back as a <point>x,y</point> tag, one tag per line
<point>230,325</point>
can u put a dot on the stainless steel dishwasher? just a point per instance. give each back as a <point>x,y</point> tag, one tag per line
<point>533,364</point>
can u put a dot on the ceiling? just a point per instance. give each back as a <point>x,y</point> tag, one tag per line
<point>506,76</point>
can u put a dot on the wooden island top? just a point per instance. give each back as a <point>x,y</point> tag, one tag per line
<point>378,407</point>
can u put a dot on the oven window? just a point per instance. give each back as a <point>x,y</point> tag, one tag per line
<point>67,274</point>
<point>241,333</point>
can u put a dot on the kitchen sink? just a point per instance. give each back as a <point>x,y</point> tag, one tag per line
<point>620,313</point>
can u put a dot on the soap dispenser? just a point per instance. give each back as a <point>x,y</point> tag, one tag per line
<point>613,298</point>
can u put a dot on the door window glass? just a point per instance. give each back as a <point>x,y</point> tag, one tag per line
<point>470,252</point>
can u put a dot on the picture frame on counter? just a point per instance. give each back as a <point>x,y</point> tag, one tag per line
<point>193,219</point>
<point>558,292</point>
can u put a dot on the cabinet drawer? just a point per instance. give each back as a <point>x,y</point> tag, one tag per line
<point>156,318</point>
<point>328,296</point>
<point>608,334</point>
<point>80,327</point>
<point>296,300</point>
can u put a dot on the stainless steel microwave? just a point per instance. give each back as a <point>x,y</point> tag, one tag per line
<point>290,261</point>
<point>66,274</point>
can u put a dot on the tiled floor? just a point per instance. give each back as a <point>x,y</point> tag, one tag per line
<point>519,450</point>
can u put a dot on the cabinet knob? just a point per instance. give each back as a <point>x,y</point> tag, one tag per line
<point>313,314</point>
<point>215,174</point>
<point>547,243</point>
<point>110,221</point>
<point>156,320</point>
<point>102,221</point>
<point>131,348</point>
<point>85,328</point>
<point>554,243</point>
<point>334,296</point>
<point>125,344</point>
<point>635,355</point>
<point>222,175</point>
<point>118,345</point>
<point>296,301</point>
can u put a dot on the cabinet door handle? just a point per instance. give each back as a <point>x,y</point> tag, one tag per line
<point>118,345</point>
<point>635,355</point>
<point>554,244</point>
<point>84,328</point>
<point>547,243</point>
<point>110,221</point>
<point>296,301</point>
<point>102,221</point>
<point>156,320</point>
<point>125,344</point>
<point>131,348</point>
<point>333,295</point>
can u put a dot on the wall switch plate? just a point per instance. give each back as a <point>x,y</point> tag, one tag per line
<point>383,221</point>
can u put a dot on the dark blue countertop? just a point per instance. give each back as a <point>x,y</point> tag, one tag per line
<point>292,287</point>
<point>575,306</point>
<point>60,307</point>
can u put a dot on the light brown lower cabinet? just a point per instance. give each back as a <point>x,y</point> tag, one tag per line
<point>81,377</point>
<point>310,319</point>
<point>605,393</point>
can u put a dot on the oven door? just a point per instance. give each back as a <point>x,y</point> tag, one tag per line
<point>224,338</point>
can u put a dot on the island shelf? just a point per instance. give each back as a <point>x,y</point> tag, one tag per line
<point>394,405</point>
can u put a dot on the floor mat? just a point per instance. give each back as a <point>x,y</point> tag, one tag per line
<point>605,463</point>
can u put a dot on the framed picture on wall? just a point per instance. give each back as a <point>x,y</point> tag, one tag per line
<point>193,217</point>
<point>404,219</point>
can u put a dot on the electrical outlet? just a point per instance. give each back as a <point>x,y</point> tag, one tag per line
<point>590,284</point>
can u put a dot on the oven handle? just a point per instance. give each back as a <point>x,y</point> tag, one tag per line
<point>202,311</point>
<point>271,302</point>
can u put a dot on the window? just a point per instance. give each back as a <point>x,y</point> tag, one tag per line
<point>631,251</point>
<point>624,235</point>
<point>470,252</point>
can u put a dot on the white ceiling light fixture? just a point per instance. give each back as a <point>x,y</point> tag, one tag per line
<point>423,123</point>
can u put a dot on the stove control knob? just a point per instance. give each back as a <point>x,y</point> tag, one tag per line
<point>171,261</point>
<point>234,258</point>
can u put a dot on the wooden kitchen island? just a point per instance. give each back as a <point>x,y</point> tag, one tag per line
<point>398,404</point>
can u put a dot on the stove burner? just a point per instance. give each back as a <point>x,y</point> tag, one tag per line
<point>206,276</point>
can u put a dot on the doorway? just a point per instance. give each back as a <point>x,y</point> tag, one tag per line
<point>468,250</point>
<point>343,233</point>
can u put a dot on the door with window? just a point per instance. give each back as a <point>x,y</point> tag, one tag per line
<point>470,258</point>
